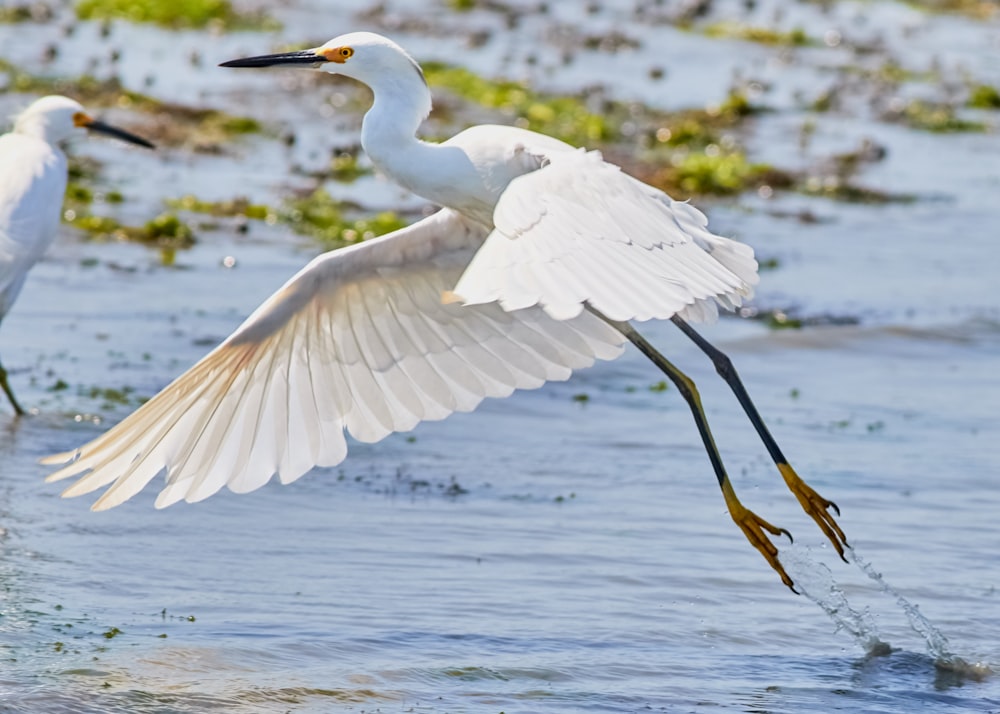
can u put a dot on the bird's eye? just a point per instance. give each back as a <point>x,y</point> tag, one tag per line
<point>346,52</point>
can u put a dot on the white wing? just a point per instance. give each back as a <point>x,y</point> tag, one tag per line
<point>580,231</point>
<point>359,341</point>
<point>32,184</point>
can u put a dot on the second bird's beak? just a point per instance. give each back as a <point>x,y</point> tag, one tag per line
<point>302,57</point>
<point>100,127</point>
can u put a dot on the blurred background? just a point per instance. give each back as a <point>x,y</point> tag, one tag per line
<point>565,549</point>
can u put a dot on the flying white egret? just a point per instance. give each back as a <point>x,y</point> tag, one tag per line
<point>32,183</point>
<point>539,258</point>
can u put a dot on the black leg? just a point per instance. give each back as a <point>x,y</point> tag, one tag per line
<point>9,392</point>
<point>813,504</point>
<point>751,524</point>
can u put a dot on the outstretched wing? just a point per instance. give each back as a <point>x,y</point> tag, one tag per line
<point>359,340</point>
<point>578,231</point>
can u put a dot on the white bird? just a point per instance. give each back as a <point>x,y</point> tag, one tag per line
<point>32,183</point>
<point>538,259</point>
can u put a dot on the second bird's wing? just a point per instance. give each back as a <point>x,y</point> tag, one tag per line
<point>579,230</point>
<point>359,340</point>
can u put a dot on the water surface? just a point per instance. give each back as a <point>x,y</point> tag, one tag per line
<point>566,549</point>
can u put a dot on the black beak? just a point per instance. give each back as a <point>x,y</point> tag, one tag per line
<point>102,128</point>
<point>302,57</point>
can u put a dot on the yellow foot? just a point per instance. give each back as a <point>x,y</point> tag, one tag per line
<point>753,527</point>
<point>817,507</point>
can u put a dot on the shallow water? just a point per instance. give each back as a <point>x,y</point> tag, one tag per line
<point>543,554</point>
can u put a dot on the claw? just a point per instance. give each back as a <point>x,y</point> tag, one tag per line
<point>817,507</point>
<point>753,527</point>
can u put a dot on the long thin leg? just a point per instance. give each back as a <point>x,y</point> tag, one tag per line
<point>752,525</point>
<point>9,392</point>
<point>812,503</point>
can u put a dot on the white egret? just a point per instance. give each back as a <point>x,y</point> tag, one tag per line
<point>32,183</point>
<point>538,259</point>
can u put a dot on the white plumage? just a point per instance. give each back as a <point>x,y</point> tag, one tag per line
<point>32,185</point>
<point>359,341</point>
<point>483,297</point>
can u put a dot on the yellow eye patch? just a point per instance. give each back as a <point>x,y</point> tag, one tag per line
<point>338,54</point>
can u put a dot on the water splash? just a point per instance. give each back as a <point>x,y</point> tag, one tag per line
<point>815,581</point>
<point>936,642</point>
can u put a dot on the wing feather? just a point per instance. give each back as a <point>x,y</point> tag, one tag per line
<point>358,342</point>
<point>580,231</point>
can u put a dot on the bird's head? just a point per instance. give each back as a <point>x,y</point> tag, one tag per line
<point>56,118</point>
<point>364,56</point>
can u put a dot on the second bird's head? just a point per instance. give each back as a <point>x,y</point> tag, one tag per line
<point>364,56</point>
<point>56,118</point>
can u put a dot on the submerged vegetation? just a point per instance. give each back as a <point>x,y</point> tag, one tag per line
<point>229,208</point>
<point>317,215</point>
<point>689,152</point>
<point>939,118</point>
<point>984,96</point>
<point>177,14</point>
<point>201,129</point>
<point>796,37</point>
<point>978,9</point>
<point>165,231</point>
<point>564,117</point>
<point>322,217</point>
<point>26,12</point>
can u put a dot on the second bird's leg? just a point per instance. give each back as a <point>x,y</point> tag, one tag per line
<point>9,392</point>
<point>812,503</point>
<point>752,525</point>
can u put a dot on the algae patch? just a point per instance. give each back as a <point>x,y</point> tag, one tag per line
<point>26,12</point>
<point>564,117</point>
<point>178,14</point>
<point>984,96</point>
<point>795,37</point>
<point>165,231</point>
<point>225,209</point>
<point>322,217</point>
<point>204,130</point>
<point>316,214</point>
<point>934,117</point>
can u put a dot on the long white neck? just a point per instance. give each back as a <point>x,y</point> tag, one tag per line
<point>440,173</point>
<point>388,133</point>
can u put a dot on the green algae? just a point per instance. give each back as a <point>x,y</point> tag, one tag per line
<point>718,174</point>
<point>165,231</point>
<point>317,215</point>
<point>563,117</point>
<point>320,216</point>
<point>976,9</point>
<point>795,37</point>
<point>177,14</point>
<point>224,209</point>
<point>689,151</point>
<point>26,12</point>
<point>983,96</point>
<point>169,124</point>
<point>937,118</point>
<point>345,168</point>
